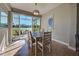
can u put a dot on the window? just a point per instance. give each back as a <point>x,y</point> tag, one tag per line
<point>25,23</point>
<point>21,23</point>
<point>36,24</point>
<point>3,19</point>
<point>15,25</point>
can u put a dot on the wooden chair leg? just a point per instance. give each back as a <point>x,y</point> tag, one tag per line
<point>51,48</point>
<point>35,50</point>
<point>42,52</point>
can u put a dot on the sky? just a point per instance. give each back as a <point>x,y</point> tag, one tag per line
<point>4,20</point>
<point>27,20</point>
<point>4,17</point>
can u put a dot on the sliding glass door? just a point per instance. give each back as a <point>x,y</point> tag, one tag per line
<point>36,24</point>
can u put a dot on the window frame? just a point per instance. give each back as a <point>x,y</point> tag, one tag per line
<point>24,19</point>
<point>6,18</point>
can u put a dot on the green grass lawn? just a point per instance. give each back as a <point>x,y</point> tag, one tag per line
<point>15,31</point>
<point>22,29</point>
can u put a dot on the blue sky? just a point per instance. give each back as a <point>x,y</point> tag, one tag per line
<point>4,20</point>
<point>4,17</point>
<point>27,20</point>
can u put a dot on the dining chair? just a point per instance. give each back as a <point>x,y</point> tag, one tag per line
<point>44,43</point>
<point>31,42</point>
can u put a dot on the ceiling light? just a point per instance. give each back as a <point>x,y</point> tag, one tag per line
<point>36,12</point>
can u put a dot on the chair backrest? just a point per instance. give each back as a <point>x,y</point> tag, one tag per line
<point>31,37</point>
<point>46,38</point>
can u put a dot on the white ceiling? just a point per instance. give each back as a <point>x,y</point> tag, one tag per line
<point>42,7</point>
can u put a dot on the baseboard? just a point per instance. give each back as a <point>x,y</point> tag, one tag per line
<point>60,42</point>
<point>72,48</point>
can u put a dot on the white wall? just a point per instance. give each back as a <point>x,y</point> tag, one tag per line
<point>65,23</point>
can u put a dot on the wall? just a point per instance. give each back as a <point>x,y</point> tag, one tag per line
<point>65,23</point>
